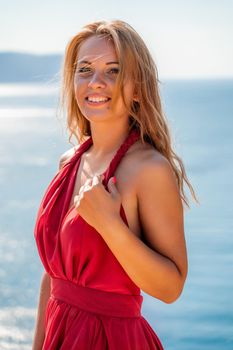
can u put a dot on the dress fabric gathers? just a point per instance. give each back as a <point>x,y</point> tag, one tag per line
<point>94,304</point>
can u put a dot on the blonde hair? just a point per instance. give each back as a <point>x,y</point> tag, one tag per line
<point>146,113</point>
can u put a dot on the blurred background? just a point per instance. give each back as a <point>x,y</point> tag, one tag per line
<point>191,42</point>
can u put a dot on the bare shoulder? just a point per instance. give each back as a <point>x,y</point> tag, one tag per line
<point>67,155</point>
<point>156,182</point>
<point>149,165</point>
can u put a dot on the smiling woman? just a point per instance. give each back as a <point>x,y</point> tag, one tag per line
<point>110,223</point>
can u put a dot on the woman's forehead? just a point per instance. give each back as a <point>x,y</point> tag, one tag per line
<point>97,48</point>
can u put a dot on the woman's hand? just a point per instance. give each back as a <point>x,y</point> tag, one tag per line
<point>97,206</point>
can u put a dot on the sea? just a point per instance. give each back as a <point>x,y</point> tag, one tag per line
<point>33,136</point>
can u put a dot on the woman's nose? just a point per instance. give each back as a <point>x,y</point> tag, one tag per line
<point>96,81</point>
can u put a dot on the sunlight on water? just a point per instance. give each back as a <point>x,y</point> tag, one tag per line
<point>25,90</point>
<point>26,112</point>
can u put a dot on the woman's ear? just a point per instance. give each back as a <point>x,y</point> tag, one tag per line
<point>135,95</point>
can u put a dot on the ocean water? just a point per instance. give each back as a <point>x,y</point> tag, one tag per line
<point>32,138</point>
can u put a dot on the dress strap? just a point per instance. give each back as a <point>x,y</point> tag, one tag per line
<point>132,137</point>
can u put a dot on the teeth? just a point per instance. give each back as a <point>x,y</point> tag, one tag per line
<point>97,99</point>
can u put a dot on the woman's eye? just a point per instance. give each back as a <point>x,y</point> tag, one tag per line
<point>114,70</point>
<point>83,70</point>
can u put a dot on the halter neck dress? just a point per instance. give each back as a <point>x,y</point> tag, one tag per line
<point>94,305</point>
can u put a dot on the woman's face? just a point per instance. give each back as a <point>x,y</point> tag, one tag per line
<point>95,80</point>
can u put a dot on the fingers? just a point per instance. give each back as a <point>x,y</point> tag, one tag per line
<point>96,180</point>
<point>77,199</point>
<point>89,183</point>
<point>86,186</point>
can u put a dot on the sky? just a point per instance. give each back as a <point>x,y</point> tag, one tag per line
<point>187,38</point>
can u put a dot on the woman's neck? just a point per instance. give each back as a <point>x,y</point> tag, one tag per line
<point>107,141</point>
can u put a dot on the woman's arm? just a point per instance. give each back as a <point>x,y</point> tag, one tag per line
<point>40,321</point>
<point>159,268</point>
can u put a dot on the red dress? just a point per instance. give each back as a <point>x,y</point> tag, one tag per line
<point>94,305</point>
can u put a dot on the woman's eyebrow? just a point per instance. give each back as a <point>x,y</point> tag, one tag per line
<point>87,62</point>
<point>114,62</point>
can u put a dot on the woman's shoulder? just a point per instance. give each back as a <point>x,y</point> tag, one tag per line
<point>145,155</point>
<point>67,155</point>
<point>154,172</point>
<point>146,163</point>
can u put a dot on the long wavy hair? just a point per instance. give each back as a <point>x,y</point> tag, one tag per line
<point>145,114</point>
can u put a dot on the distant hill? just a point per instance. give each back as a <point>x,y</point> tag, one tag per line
<point>23,67</point>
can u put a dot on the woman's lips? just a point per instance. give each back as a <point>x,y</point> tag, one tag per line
<point>97,102</point>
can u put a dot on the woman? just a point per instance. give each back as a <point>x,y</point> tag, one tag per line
<point>111,220</point>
